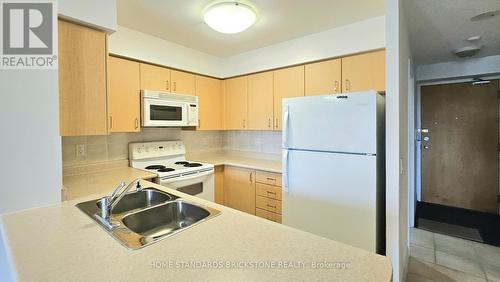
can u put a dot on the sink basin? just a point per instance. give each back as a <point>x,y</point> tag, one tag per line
<point>164,219</point>
<point>142,199</point>
<point>145,217</point>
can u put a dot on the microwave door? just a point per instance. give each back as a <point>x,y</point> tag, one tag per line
<point>164,113</point>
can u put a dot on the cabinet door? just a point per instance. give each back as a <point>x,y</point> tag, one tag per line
<point>124,95</point>
<point>183,82</point>
<point>235,103</point>
<point>82,80</point>
<point>210,100</point>
<point>239,189</point>
<point>260,101</point>
<point>288,82</point>
<point>323,77</point>
<point>155,78</point>
<point>219,184</point>
<point>364,72</point>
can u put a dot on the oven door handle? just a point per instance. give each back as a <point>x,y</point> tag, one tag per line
<point>188,177</point>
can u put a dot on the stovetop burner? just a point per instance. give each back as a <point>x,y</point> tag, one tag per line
<point>192,165</point>
<point>156,167</point>
<point>167,169</point>
<point>182,163</point>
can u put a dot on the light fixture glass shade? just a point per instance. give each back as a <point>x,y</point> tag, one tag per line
<point>230,17</point>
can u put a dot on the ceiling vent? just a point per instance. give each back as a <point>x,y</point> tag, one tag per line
<point>468,51</point>
<point>485,16</point>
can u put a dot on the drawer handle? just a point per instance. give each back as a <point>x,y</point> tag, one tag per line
<point>270,206</point>
<point>269,178</point>
<point>269,192</point>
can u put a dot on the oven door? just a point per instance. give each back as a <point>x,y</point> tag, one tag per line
<point>199,184</point>
<point>159,112</point>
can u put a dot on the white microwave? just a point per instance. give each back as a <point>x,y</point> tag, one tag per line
<point>161,109</point>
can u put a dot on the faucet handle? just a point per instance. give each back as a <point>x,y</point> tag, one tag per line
<point>117,189</point>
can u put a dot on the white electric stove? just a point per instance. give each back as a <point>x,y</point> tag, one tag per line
<point>168,160</point>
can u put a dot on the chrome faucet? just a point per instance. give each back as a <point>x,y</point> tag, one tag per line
<point>109,203</point>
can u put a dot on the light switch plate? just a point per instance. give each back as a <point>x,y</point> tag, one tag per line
<point>80,150</point>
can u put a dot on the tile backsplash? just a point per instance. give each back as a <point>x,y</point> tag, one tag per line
<point>115,146</point>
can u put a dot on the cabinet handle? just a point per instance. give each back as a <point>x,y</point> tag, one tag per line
<point>276,125</point>
<point>110,122</point>
<point>269,123</point>
<point>347,85</point>
<point>251,177</point>
<point>175,86</point>
<point>167,85</point>
<point>199,123</point>
<point>270,206</point>
<point>244,123</point>
<point>269,178</point>
<point>136,123</point>
<point>272,193</point>
<point>336,86</point>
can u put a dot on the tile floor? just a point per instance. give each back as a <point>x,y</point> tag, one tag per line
<point>436,257</point>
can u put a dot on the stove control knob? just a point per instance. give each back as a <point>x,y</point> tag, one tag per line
<point>139,150</point>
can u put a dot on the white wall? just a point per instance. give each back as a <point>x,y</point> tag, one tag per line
<point>97,13</point>
<point>459,69</point>
<point>353,38</point>
<point>397,60</point>
<point>134,44</point>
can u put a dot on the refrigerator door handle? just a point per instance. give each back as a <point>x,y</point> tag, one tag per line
<point>285,171</point>
<point>285,127</point>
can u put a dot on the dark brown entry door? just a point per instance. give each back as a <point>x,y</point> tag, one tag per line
<point>460,151</point>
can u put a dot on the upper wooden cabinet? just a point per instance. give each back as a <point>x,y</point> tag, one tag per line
<point>323,77</point>
<point>364,72</point>
<point>210,100</point>
<point>183,82</point>
<point>155,78</point>
<point>167,80</point>
<point>288,82</point>
<point>260,101</point>
<point>235,106</point>
<point>239,188</point>
<point>124,95</point>
<point>82,80</point>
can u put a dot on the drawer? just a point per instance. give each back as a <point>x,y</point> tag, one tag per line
<point>268,204</point>
<point>268,215</point>
<point>270,178</point>
<point>268,191</point>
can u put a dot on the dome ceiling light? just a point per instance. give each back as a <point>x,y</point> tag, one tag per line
<point>229,17</point>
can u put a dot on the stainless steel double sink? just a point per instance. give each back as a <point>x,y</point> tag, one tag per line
<point>147,216</point>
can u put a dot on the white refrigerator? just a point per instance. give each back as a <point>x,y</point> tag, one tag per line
<point>333,167</point>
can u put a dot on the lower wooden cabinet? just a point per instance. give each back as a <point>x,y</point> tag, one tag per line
<point>219,184</point>
<point>239,189</point>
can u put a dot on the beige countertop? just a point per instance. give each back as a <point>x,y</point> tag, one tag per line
<point>266,162</point>
<point>60,243</point>
<point>79,185</point>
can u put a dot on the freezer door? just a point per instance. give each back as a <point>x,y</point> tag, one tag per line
<point>332,195</point>
<point>333,123</point>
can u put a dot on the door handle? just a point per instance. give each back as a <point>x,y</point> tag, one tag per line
<point>285,127</point>
<point>285,170</point>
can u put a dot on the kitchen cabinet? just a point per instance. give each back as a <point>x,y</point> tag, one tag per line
<point>323,77</point>
<point>167,80</point>
<point>239,189</point>
<point>235,103</point>
<point>155,78</point>
<point>183,82</point>
<point>82,80</point>
<point>210,103</point>
<point>288,82</point>
<point>364,72</point>
<point>219,184</point>
<point>124,100</point>
<point>260,101</point>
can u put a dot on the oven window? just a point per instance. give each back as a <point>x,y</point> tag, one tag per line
<point>193,189</point>
<point>165,113</point>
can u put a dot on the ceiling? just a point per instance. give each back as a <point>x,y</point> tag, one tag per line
<point>181,21</point>
<point>437,27</point>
